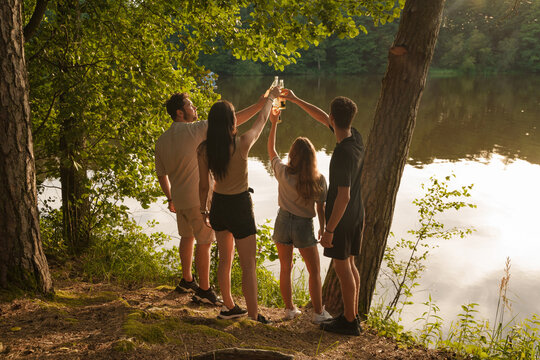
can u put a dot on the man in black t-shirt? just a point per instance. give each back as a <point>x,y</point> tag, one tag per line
<point>344,210</point>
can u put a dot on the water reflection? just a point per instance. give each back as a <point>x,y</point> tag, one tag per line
<point>459,118</point>
<point>485,130</point>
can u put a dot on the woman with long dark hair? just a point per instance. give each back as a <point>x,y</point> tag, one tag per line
<point>224,154</point>
<point>301,194</point>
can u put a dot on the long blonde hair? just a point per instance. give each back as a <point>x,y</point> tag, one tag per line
<point>303,164</point>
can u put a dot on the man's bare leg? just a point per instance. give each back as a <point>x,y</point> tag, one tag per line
<point>186,256</point>
<point>202,262</point>
<point>348,287</point>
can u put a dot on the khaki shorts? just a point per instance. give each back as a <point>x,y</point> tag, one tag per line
<point>190,223</point>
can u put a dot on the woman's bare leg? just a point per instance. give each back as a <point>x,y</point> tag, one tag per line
<point>225,243</point>
<point>247,248</point>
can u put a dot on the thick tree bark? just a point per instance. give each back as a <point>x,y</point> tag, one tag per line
<point>22,262</point>
<point>390,136</point>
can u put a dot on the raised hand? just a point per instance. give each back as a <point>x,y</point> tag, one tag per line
<point>274,115</point>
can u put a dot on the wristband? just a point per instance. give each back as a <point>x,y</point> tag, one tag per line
<point>169,200</point>
<point>328,231</point>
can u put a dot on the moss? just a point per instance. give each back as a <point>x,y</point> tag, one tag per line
<point>148,315</point>
<point>165,288</point>
<point>150,333</point>
<point>70,299</point>
<point>208,331</point>
<point>163,330</point>
<point>124,345</point>
<point>71,320</point>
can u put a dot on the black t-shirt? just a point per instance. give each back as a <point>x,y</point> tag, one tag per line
<point>346,170</point>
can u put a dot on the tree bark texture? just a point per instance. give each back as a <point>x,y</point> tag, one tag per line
<point>74,180</point>
<point>389,140</point>
<point>390,136</point>
<point>331,294</point>
<point>22,261</point>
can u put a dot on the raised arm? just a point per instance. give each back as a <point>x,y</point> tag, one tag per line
<point>245,114</point>
<point>313,111</point>
<point>274,118</point>
<point>249,137</point>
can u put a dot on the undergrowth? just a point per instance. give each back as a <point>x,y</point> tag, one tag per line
<point>468,336</point>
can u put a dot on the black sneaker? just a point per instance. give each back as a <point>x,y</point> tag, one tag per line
<point>186,286</point>
<point>207,297</point>
<point>358,322</point>
<point>340,325</point>
<point>233,313</point>
<point>262,319</point>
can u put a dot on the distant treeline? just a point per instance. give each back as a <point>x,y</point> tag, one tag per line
<point>477,36</point>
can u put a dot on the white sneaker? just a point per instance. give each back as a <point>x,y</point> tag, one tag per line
<point>292,313</point>
<point>323,316</point>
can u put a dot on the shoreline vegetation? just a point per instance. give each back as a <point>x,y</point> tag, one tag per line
<point>117,301</point>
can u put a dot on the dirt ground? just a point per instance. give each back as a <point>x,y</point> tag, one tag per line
<point>103,321</point>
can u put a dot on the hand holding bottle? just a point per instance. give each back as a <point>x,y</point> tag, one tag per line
<point>275,116</point>
<point>288,94</point>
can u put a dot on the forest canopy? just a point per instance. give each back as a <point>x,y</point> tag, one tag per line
<point>496,36</point>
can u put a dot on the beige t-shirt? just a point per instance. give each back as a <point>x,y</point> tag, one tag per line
<point>288,198</point>
<point>236,180</point>
<point>176,156</point>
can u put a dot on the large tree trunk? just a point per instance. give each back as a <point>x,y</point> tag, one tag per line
<point>390,137</point>
<point>22,262</point>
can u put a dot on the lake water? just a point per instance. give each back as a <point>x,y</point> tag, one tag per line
<point>484,130</point>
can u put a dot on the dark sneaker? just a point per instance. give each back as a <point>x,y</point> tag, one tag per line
<point>340,325</point>
<point>186,286</point>
<point>262,319</point>
<point>207,297</point>
<point>233,313</point>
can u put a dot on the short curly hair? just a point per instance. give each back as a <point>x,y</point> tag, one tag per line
<point>176,102</point>
<point>343,110</point>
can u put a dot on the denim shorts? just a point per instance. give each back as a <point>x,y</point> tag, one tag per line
<point>290,229</point>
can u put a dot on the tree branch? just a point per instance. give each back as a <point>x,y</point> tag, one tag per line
<point>35,20</point>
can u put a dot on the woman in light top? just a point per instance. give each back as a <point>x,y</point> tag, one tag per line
<point>302,192</point>
<point>225,154</point>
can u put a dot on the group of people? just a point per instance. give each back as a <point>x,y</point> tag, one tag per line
<point>202,168</point>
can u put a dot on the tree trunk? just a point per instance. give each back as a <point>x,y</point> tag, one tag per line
<point>332,298</point>
<point>390,136</point>
<point>73,180</point>
<point>73,170</point>
<point>22,262</point>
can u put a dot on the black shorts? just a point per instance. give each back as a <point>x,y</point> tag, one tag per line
<point>233,213</point>
<point>347,240</point>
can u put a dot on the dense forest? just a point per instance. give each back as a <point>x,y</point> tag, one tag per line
<point>477,36</point>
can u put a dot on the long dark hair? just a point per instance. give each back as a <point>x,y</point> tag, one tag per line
<point>303,164</point>
<point>220,136</point>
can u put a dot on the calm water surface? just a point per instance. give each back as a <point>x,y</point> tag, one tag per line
<point>484,130</point>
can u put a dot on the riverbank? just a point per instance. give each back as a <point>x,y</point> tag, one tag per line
<point>105,321</point>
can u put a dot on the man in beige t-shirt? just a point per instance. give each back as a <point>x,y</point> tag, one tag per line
<point>178,175</point>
